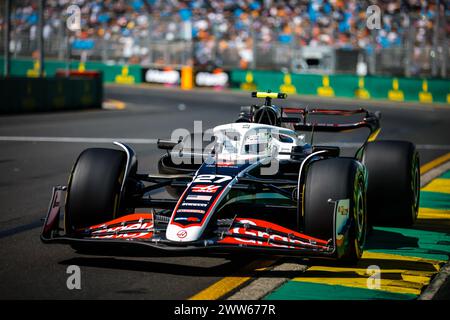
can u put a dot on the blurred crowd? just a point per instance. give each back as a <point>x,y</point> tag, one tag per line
<point>236,25</point>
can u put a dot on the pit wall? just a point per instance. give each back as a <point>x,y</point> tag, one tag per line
<point>346,86</point>
<point>336,85</point>
<point>123,74</point>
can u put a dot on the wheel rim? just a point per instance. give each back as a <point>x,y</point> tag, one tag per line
<point>359,213</point>
<point>415,186</point>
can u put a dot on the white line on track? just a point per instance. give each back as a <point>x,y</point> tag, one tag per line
<point>153,141</point>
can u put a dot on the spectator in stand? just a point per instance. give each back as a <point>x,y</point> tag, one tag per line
<point>218,27</point>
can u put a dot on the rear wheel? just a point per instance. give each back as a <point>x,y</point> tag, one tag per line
<point>393,182</point>
<point>93,193</point>
<point>336,179</point>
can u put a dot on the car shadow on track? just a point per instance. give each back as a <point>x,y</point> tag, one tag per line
<point>234,264</point>
<point>236,267</point>
<point>435,225</point>
<point>151,266</point>
<point>403,242</point>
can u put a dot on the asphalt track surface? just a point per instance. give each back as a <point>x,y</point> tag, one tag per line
<point>29,168</point>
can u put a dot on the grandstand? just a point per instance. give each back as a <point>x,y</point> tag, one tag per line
<point>297,35</point>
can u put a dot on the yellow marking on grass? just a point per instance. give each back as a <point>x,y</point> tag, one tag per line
<point>227,284</point>
<point>395,257</point>
<point>360,280</point>
<point>436,162</point>
<point>433,219</point>
<point>438,185</point>
<point>406,280</point>
<point>428,213</point>
<point>398,274</point>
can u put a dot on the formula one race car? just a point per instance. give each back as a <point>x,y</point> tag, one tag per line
<point>258,186</point>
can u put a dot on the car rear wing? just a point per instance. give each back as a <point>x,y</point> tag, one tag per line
<point>299,118</point>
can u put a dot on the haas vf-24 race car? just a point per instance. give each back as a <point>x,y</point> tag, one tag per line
<point>258,187</point>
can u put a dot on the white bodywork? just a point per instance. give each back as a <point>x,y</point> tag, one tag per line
<point>242,141</point>
<point>248,144</point>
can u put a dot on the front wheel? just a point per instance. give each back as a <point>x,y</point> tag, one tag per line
<point>336,179</point>
<point>93,192</point>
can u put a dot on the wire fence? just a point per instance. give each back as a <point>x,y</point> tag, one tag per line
<point>267,56</point>
<point>167,42</point>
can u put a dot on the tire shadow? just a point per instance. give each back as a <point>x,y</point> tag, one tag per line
<point>381,239</point>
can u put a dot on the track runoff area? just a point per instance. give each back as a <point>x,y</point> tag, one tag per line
<point>398,263</point>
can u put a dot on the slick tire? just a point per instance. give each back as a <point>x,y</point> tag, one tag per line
<point>336,179</point>
<point>93,192</point>
<point>393,183</point>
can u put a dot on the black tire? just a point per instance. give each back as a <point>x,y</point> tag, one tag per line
<point>337,178</point>
<point>393,182</point>
<point>93,192</point>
